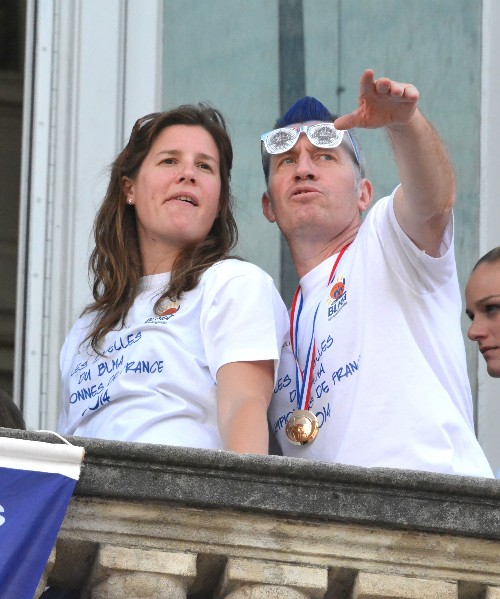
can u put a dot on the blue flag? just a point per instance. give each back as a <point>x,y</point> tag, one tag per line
<point>36,483</point>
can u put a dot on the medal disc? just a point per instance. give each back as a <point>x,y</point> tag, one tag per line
<point>302,428</point>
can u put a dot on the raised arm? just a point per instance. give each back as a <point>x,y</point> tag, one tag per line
<point>424,201</point>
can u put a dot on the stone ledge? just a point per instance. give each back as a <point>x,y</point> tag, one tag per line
<point>286,487</point>
<point>216,536</point>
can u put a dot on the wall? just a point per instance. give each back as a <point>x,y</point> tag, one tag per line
<point>97,67</point>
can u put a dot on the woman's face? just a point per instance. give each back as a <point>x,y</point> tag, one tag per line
<point>175,193</point>
<point>482,297</point>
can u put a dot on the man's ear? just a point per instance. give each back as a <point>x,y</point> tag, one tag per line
<point>365,194</point>
<point>267,208</point>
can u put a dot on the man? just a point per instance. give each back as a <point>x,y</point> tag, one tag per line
<point>379,377</point>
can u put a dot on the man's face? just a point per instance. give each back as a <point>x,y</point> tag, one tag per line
<point>314,191</point>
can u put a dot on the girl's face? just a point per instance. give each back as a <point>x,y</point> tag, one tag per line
<point>482,297</point>
<point>176,192</point>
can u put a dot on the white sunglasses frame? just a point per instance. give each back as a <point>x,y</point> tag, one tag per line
<point>339,134</point>
<point>305,129</point>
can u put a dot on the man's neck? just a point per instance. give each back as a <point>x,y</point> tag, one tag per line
<point>307,253</point>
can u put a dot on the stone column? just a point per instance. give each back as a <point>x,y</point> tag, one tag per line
<point>48,568</point>
<point>121,572</point>
<point>266,591</point>
<point>263,579</point>
<point>492,593</point>
<point>382,586</point>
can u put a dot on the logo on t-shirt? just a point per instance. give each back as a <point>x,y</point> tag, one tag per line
<point>166,314</point>
<point>170,309</point>
<point>337,298</point>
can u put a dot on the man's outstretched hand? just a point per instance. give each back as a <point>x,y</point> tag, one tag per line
<point>382,103</point>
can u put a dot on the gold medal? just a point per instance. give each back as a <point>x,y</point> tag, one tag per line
<point>302,428</point>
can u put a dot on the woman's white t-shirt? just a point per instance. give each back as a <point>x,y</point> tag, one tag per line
<point>156,379</point>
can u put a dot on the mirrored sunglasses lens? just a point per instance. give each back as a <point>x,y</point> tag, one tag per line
<point>280,140</point>
<point>325,135</point>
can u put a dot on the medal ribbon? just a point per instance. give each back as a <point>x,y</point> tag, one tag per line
<point>304,378</point>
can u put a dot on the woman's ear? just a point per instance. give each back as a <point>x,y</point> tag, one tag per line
<point>128,190</point>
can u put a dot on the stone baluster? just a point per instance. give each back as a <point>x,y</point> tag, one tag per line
<point>383,586</point>
<point>266,591</point>
<point>492,593</point>
<point>262,579</point>
<point>120,572</point>
<point>46,573</point>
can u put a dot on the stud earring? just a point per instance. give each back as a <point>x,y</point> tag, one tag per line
<point>130,201</point>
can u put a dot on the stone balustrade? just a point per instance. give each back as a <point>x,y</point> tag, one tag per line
<point>150,521</point>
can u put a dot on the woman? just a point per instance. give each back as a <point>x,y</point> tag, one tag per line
<point>482,297</point>
<point>181,342</point>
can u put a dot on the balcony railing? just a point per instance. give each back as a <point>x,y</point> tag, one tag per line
<point>151,521</point>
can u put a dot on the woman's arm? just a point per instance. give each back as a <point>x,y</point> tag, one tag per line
<point>244,390</point>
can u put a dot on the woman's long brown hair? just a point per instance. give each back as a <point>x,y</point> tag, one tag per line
<point>115,265</point>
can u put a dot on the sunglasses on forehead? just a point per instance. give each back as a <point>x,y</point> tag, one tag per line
<point>322,135</point>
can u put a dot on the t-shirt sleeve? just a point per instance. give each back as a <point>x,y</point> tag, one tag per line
<point>68,351</point>
<point>420,271</point>
<point>63,359</point>
<point>243,318</point>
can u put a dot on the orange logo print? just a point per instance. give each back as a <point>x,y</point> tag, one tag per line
<point>337,297</point>
<point>170,309</point>
<point>337,290</point>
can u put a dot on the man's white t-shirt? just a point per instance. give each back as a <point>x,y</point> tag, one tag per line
<point>390,383</point>
<point>156,380</point>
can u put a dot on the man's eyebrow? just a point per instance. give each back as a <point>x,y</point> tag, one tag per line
<point>295,150</point>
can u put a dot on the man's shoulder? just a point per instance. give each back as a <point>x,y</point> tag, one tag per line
<point>379,216</point>
<point>384,204</point>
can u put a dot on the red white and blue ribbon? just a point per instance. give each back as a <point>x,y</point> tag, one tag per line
<point>304,378</point>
